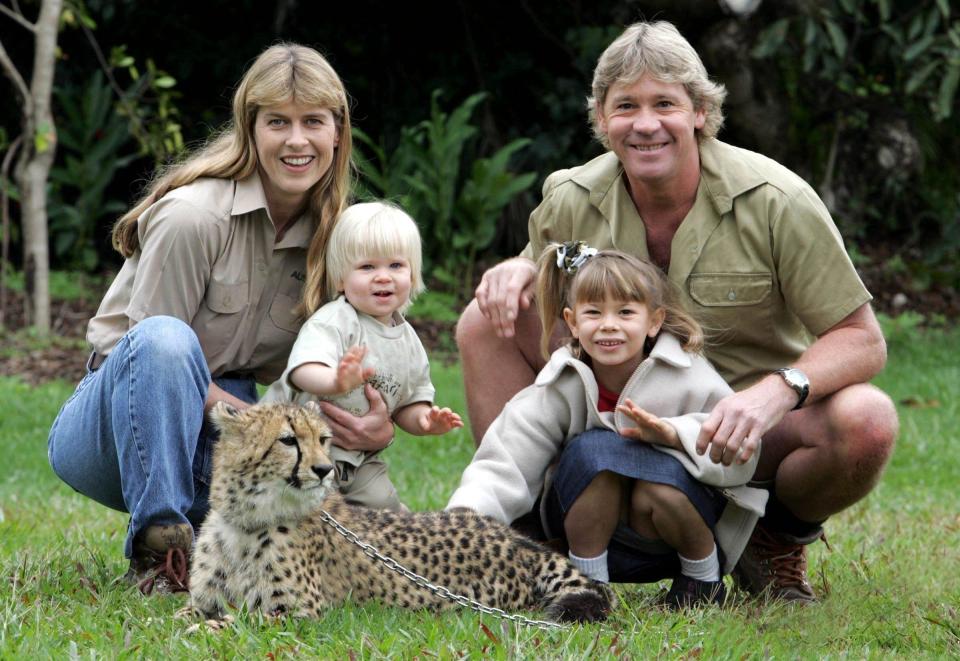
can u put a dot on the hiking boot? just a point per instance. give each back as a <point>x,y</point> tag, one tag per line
<point>160,559</point>
<point>689,592</point>
<point>775,564</point>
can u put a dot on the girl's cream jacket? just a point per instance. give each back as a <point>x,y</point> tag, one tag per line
<point>512,465</point>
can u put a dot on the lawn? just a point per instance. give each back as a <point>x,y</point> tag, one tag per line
<point>890,581</point>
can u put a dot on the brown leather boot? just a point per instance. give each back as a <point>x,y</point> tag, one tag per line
<point>775,564</point>
<point>160,562</point>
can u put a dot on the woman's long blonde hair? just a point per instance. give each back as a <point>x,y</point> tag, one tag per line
<point>610,274</point>
<point>284,72</point>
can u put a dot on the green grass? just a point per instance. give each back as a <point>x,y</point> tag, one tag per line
<point>891,583</point>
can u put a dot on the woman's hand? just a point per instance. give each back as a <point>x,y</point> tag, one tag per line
<point>650,428</point>
<point>217,394</point>
<point>370,432</point>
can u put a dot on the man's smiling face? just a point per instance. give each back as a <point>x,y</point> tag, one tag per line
<point>651,126</point>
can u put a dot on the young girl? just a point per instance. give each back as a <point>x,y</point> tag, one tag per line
<point>618,410</point>
<point>373,273</point>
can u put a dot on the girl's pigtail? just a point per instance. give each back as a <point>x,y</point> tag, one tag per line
<point>557,269</point>
<point>552,283</point>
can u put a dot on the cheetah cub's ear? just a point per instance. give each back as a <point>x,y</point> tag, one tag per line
<point>314,408</point>
<point>223,414</point>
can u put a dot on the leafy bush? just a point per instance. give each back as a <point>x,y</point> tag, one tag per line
<point>872,86</point>
<point>92,138</point>
<point>436,173</point>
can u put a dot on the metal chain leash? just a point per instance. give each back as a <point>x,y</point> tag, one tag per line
<point>422,582</point>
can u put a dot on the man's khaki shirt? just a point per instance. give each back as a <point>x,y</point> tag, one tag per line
<point>758,260</point>
<point>208,256</point>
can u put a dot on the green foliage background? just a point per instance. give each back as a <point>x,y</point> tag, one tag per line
<point>836,84</point>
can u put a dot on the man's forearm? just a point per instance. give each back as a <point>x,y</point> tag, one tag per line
<point>850,352</point>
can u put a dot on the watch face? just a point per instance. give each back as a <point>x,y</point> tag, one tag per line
<point>796,378</point>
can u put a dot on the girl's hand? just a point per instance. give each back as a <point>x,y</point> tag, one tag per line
<point>436,420</point>
<point>650,428</point>
<point>350,372</point>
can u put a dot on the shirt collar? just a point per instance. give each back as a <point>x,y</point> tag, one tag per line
<point>599,176</point>
<point>723,177</point>
<point>249,197</point>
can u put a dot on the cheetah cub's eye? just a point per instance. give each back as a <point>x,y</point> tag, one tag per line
<point>288,439</point>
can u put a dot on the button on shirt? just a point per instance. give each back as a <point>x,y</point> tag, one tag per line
<point>208,256</point>
<point>758,260</point>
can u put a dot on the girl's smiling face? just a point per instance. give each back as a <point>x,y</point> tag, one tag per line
<point>613,334</point>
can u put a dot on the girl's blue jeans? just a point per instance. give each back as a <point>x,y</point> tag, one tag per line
<point>133,435</point>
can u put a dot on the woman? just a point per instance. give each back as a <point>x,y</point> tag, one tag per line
<point>206,305</point>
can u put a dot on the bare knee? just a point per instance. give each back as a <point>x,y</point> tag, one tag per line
<point>650,497</point>
<point>865,425</point>
<point>472,327</point>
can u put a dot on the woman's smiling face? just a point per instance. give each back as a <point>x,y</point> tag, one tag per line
<point>295,148</point>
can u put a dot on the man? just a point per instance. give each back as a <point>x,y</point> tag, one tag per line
<point>759,263</point>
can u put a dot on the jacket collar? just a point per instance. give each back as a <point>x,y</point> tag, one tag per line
<point>666,350</point>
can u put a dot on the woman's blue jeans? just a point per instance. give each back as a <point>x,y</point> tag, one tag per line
<point>133,435</point>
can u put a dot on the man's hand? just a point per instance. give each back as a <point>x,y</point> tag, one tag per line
<point>650,428</point>
<point>370,432</point>
<point>733,430</point>
<point>350,371</point>
<point>504,290</point>
<point>437,421</point>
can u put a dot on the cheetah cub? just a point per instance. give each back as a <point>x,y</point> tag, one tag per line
<point>264,545</point>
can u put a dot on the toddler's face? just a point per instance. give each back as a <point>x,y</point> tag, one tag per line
<point>378,286</point>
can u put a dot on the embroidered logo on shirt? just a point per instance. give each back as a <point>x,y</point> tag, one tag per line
<point>299,275</point>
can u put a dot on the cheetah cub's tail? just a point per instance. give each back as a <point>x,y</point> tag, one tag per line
<point>591,603</point>
<point>569,596</point>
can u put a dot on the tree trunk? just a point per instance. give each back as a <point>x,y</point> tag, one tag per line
<point>33,168</point>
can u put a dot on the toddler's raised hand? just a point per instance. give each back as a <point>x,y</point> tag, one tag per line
<point>650,428</point>
<point>436,420</point>
<point>350,372</point>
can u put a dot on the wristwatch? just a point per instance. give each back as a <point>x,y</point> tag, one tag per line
<point>796,380</point>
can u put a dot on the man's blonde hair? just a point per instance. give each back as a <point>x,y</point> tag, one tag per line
<point>659,49</point>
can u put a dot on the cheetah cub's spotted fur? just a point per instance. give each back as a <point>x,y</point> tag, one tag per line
<point>264,546</point>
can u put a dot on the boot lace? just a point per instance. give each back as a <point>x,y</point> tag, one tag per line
<point>172,569</point>
<point>787,561</point>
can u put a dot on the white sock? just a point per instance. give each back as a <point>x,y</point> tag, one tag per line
<point>707,569</point>
<point>595,568</point>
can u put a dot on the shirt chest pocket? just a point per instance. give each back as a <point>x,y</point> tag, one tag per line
<point>733,307</point>
<point>283,313</point>
<point>730,289</point>
<point>226,297</point>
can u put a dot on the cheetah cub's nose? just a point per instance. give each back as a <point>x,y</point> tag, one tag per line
<point>322,470</point>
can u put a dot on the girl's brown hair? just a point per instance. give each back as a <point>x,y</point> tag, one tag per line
<point>284,72</point>
<point>610,274</point>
